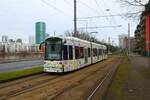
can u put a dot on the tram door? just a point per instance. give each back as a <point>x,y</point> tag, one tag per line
<point>86,55</point>
<point>102,54</point>
<point>97,54</point>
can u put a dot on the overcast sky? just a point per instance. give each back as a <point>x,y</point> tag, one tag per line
<point>18,17</point>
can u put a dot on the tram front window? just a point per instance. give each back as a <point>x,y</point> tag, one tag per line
<point>53,50</point>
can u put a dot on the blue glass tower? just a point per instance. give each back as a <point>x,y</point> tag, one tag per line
<point>40,32</point>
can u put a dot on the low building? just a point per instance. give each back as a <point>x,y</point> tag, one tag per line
<point>4,38</point>
<point>31,40</point>
<point>130,44</point>
<point>16,47</point>
<point>122,43</point>
<point>142,33</point>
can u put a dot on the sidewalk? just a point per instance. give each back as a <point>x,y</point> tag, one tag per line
<point>139,85</point>
<point>133,83</point>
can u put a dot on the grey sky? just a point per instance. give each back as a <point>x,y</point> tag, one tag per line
<point>18,17</point>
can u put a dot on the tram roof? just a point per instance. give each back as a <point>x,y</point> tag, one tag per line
<point>77,39</point>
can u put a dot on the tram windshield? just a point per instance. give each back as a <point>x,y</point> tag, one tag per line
<point>53,49</point>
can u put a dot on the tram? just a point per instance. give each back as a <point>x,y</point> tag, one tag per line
<point>70,53</point>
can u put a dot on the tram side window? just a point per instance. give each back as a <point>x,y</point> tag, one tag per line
<point>65,50</point>
<point>81,52</point>
<point>70,52</point>
<point>76,52</point>
<point>100,52</point>
<point>89,52</point>
<point>97,52</point>
<point>65,54</point>
<point>106,51</point>
<point>94,52</point>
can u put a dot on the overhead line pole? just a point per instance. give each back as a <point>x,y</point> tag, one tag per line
<point>75,17</point>
<point>128,38</point>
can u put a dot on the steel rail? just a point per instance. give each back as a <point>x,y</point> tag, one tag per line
<point>111,73</point>
<point>21,80</point>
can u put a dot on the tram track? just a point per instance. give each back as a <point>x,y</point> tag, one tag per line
<point>52,97</point>
<point>45,83</point>
<point>51,81</point>
<point>55,95</point>
<point>102,82</point>
<point>20,80</point>
<point>26,89</point>
<point>25,85</point>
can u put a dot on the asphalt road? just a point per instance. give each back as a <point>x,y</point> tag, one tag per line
<point>20,65</point>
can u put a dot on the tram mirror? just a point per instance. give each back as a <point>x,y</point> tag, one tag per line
<point>41,45</point>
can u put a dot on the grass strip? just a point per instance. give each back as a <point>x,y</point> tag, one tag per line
<point>117,88</point>
<point>4,76</point>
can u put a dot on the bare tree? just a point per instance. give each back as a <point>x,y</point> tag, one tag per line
<point>80,34</point>
<point>135,3</point>
<point>133,8</point>
<point>2,51</point>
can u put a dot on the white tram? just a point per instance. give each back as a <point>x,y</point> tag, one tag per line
<point>70,53</point>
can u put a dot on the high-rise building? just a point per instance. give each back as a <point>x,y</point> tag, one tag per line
<point>4,38</point>
<point>122,37</point>
<point>40,32</point>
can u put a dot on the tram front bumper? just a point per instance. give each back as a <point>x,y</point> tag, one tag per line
<point>52,69</point>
